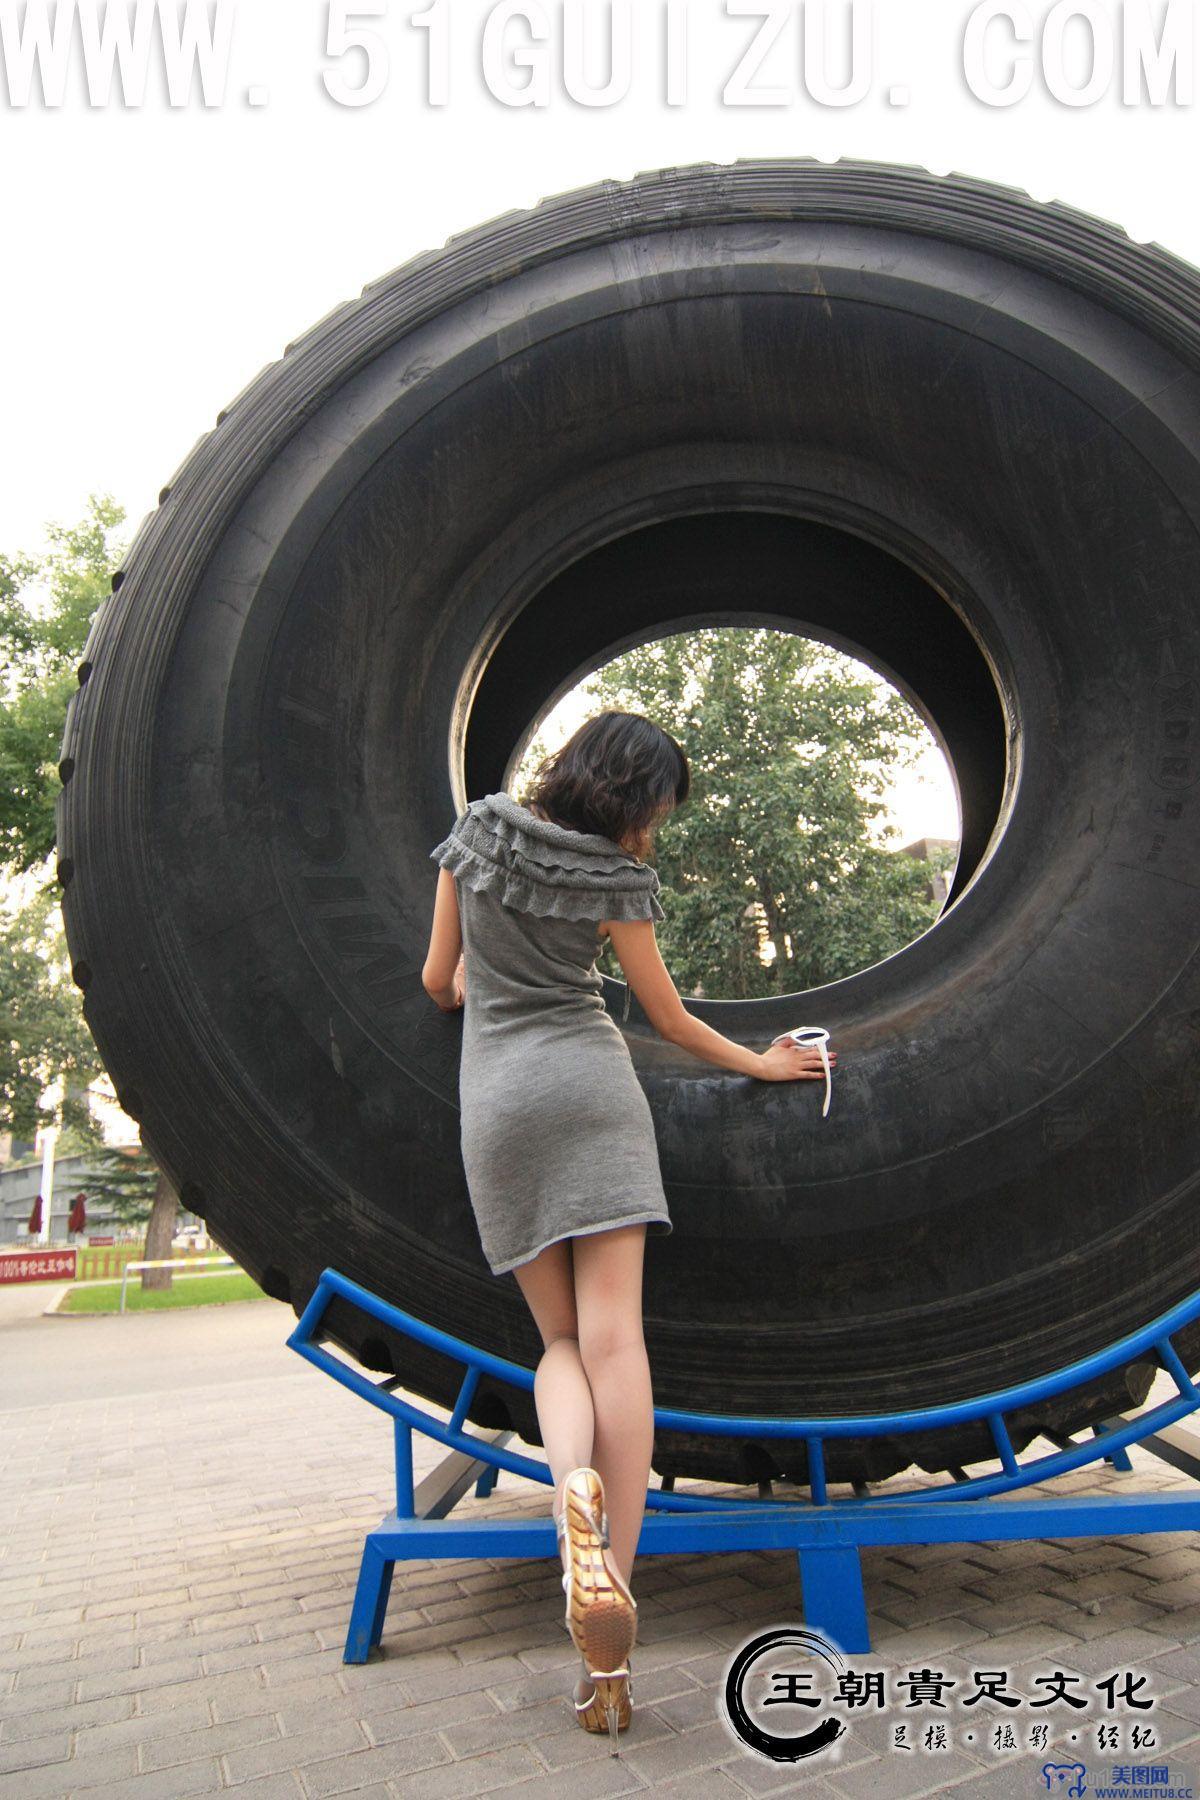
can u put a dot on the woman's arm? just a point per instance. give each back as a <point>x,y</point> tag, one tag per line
<point>444,975</point>
<point>637,951</point>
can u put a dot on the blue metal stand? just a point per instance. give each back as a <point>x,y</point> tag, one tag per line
<point>826,1534</point>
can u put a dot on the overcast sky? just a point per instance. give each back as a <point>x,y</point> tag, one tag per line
<point>156,257</point>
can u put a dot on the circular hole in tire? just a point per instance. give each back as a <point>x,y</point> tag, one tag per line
<point>786,868</point>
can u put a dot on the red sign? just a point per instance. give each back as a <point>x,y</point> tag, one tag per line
<point>37,1265</point>
<point>97,1241</point>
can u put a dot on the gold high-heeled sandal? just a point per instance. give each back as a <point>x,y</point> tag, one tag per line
<point>601,1613</point>
<point>596,1713</point>
<point>593,1710</point>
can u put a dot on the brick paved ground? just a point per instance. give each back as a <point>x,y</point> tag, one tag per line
<point>177,1575</point>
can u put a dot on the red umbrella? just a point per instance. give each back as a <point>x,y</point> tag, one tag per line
<point>78,1218</point>
<point>35,1218</point>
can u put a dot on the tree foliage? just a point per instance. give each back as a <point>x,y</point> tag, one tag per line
<point>46,608</point>
<point>45,1038</point>
<point>782,839</point>
<point>125,1178</point>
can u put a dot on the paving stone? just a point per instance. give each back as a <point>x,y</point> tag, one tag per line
<point>1032,1578</point>
<point>101,1735</point>
<point>599,1777</point>
<point>175,1673</point>
<point>74,1776</point>
<point>716,1782</point>
<point>286,1786</point>
<point>1184,1590</point>
<point>569,1747</point>
<point>893,1647</point>
<point>33,1655</point>
<point>758,1776</point>
<point>32,1752</point>
<point>147,1604</point>
<point>409,1635</point>
<point>685,1643</point>
<point>103,1662</point>
<point>295,1752</point>
<point>1032,1639</point>
<point>682,1712</point>
<point>253,1654</point>
<point>1099,1584</point>
<point>904,1774</point>
<point>207,1740</point>
<point>539,1722</point>
<point>284,1671</point>
<point>427,1715</point>
<point>907,1611</point>
<point>1118,1650</point>
<point>1014,1778</point>
<point>470,1776</point>
<point>1109,1615</point>
<point>711,1620</point>
<point>67,1718</point>
<point>218,1570</point>
<point>532,1686</point>
<point>50,1612</point>
<point>202,1777</point>
<point>430,1683</point>
<point>1168,1565</point>
<point>1181,1664</point>
<point>679,1753</point>
<point>248,1700</point>
<point>217,1621</point>
<point>303,1624</point>
<point>223,1691</point>
<point>1180,1626</point>
<point>386,1763</point>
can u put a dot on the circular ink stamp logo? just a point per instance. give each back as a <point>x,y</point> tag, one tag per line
<point>788,1688</point>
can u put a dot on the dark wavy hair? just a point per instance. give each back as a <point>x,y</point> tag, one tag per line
<point>619,774</point>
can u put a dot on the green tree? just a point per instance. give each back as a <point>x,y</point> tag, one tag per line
<point>46,609</point>
<point>45,1037</point>
<point>47,605</point>
<point>123,1177</point>
<point>782,839</point>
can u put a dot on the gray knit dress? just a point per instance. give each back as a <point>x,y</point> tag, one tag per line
<point>557,1134</point>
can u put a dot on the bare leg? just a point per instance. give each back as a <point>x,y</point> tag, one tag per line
<point>612,1349</point>
<point>561,1392</point>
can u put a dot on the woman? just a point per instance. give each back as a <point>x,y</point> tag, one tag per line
<point>558,1140</point>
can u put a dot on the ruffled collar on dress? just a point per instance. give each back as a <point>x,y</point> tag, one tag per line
<point>562,835</point>
<point>543,868</point>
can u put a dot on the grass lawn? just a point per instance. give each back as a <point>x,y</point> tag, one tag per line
<point>210,1290</point>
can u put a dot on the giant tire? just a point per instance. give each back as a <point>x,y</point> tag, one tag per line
<point>924,417</point>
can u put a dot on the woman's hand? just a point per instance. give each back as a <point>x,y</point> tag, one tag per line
<point>460,987</point>
<point>787,1060</point>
